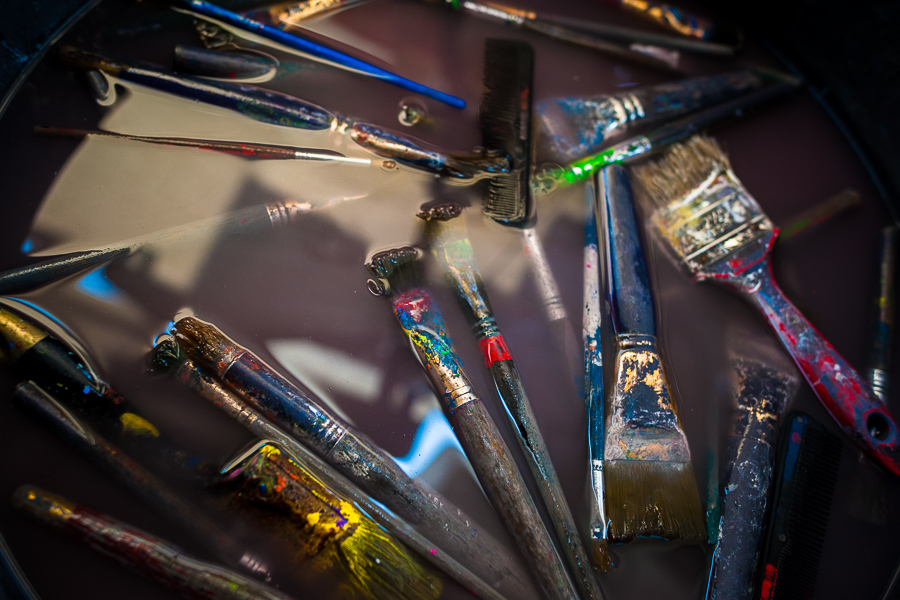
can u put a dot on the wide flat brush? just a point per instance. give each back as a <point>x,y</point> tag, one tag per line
<point>650,486</point>
<point>446,231</point>
<point>168,358</point>
<point>304,417</point>
<point>506,130</point>
<point>761,393</point>
<point>593,383</point>
<point>396,277</point>
<point>809,458</point>
<point>718,231</point>
<point>142,552</point>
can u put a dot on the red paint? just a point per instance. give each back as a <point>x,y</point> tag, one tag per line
<point>494,349</point>
<point>796,438</point>
<point>770,576</point>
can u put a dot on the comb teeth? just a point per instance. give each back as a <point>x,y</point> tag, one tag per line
<point>506,128</point>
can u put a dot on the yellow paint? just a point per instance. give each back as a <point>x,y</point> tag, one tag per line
<point>19,334</point>
<point>136,425</point>
<point>313,518</point>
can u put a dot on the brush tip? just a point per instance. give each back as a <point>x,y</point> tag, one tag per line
<point>600,556</point>
<point>166,354</point>
<point>444,211</point>
<point>680,169</point>
<point>394,270</point>
<point>204,343</point>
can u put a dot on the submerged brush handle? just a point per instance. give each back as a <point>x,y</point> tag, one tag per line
<point>313,49</point>
<point>140,551</point>
<point>451,246</point>
<point>267,106</point>
<point>303,417</point>
<point>23,279</point>
<point>843,392</point>
<point>482,442</point>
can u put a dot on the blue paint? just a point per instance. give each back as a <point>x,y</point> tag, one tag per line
<point>432,438</point>
<point>27,246</point>
<point>97,285</point>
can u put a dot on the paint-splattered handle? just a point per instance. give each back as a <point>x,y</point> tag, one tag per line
<point>843,392</point>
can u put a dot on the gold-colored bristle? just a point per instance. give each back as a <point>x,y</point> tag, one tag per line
<point>653,499</point>
<point>680,170</point>
<point>205,343</point>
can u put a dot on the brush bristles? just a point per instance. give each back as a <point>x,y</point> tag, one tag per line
<point>384,567</point>
<point>680,170</point>
<point>443,225</point>
<point>653,499</point>
<point>204,342</point>
<point>441,212</point>
<point>397,270</point>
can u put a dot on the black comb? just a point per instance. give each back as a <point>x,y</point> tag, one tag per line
<point>506,129</point>
<point>808,466</point>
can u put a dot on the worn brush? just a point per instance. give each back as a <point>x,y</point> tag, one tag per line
<point>809,459</point>
<point>304,417</point>
<point>167,357</point>
<point>762,392</point>
<point>321,526</point>
<point>446,231</point>
<point>396,277</point>
<point>142,552</point>
<point>593,383</point>
<point>681,21</point>
<point>650,484</point>
<point>719,232</point>
<point>506,130</point>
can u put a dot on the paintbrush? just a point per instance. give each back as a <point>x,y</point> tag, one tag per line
<point>593,384</point>
<point>242,149</point>
<point>574,127</point>
<point>168,358</point>
<point>531,21</point>
<point>718,231</point>
<point>761,393</point>
<point>280,109</point>
<point>150,556</point>
<point>446,232</point>
<point>506,130</point>
<point>79,434</point>
<point>304,417</point>
<point>809,459</point>
<point>883,312</point>
<point>682,22</point>
<point>396,277</point>
<point>292,13</point>
<point>321,526</point>
<point>246,66</point>
<point>650,485</point>
<point>316,50</point>
<point>656,140</point>
<point>246,221</point>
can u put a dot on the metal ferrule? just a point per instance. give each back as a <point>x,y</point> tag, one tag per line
<point>287,213</point>
<point>19,335</point>
<point>878,380</point>
<point>495,11</point>
<point>715,220</point>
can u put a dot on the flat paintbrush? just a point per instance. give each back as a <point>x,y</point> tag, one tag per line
<point>150,556</point>
<point>168,358</point>
<point>396,277</point>
<point>446,231</point>
<point>718,231</point>
<point>304,417</point>
<point>650,484</point>
<point>593,383</point>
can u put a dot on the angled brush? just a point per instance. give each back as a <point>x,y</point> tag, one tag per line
<point>650,484</point>
<point>446,231</point>
<point>718,231</point>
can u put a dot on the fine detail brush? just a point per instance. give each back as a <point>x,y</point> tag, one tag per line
<point>506,130</point>
<point>681,21</point>
<point>168,358</point>
<point>295,40</point>
<point>242,149</point>
<point>650,484</point>
<point>304,417</point>
<point>719,232</point>
<point>884,309</point>
<point>219,64</point>
<point>809,458</point>
<point>276,108</point>
<point>593,384</point>
<point>642,145</point>
<point>140,551</point>
<point>396,277</point>
<point>246,221</point>
<point>79,434</point>
<point>573,127</point>
<point>761,391</point>
<point>287,14</point>
<point>446,232</point>
<point>532,21</point>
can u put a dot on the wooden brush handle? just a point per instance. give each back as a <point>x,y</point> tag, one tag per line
<point>845,394</point>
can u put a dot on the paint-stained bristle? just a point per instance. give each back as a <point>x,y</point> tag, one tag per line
<point>166,355</point>
<point>204,342</point>
<point>653,499</point>
<point>680,170</point>
<point>506,128</point>
<point>442,223</point>
<point>397,270</point>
